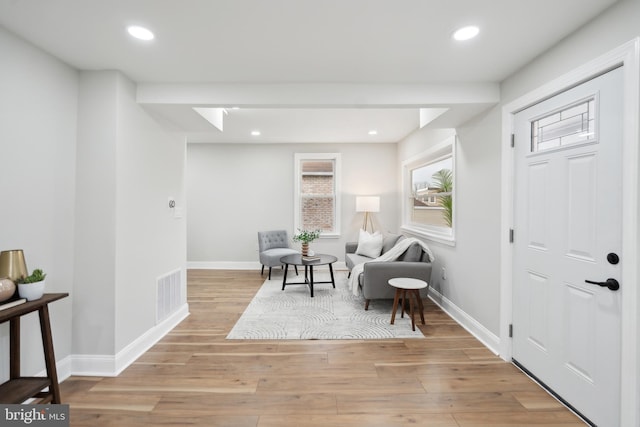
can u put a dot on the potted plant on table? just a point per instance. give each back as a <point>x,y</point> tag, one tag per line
<point>306,237</point>
<point>32,286</point>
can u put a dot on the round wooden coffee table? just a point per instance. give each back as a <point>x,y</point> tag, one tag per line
<point>413,286</point>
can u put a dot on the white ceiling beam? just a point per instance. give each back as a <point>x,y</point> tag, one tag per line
<point>318,95</point>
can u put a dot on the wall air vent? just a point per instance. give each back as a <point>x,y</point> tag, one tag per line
<point>168,294</point>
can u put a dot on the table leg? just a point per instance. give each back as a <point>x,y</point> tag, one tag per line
<point>14,348</point>
<point>49,357</point>
<point>284,279</point>
<point>333,282</point>
<point>404,301</point>
<point>311,281</point>
<point>420,306</point>
<point>395,305</point>
<point>413,322</point>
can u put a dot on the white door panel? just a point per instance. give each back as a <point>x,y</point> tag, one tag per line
<point>538,315</point>
<point>539,187</point>
<point>581,207</point>
<point>567,219</point>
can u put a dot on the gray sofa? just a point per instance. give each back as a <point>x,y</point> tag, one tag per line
<point>373,281</point>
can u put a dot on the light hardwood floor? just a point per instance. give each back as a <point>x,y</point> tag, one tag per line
<point>194,377</point>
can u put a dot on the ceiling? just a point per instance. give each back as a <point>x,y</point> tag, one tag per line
<point>309,43</point>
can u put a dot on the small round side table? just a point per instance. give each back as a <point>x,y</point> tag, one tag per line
<point>413,286</point>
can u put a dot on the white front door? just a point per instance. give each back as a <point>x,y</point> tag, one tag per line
<point>567,231</point>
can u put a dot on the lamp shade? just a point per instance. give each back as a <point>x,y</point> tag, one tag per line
<point>13,265</point>
<point>367,204</point>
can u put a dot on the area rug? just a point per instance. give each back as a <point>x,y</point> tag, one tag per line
<point>332,314</point>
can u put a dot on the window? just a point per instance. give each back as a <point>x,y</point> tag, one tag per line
<point>573,124</point>
<point>317,184</point>
<point>428,188</point>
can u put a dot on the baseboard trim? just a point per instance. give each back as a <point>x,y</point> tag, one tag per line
<point>223,265</point>
<point>242,265</point>
<point>475,328</point>
<point>111,366</point>
<point>63,369</point>
<point>93,365</point>
<point>137,348</point>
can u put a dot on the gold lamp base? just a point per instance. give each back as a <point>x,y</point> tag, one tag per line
<point>13,265</point>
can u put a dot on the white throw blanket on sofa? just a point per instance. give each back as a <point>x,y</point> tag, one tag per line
<point>391,255</point>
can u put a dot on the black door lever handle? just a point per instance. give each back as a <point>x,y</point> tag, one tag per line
<point>612,284</point>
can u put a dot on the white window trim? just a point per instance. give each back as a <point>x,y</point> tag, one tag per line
<point>442,235</point>
<point>336,157</point>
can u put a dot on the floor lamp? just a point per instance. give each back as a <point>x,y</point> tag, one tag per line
<point>367,204</point>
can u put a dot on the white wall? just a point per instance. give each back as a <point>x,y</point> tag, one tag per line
<point>473,264</point>
<point>615,26</point>
<point>234,191</point>
<point>86,176</point>
<point>126,235</point>
<point>94,278</point>
<point>38,105</point>
<point>150,241</point>
<point>421,140</point>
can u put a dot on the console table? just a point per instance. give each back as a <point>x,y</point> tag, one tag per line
<point>18,389</point>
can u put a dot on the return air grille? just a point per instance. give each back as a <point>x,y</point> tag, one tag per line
<point>168,291</point>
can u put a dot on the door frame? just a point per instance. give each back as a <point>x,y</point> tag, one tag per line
<point>627,55</point>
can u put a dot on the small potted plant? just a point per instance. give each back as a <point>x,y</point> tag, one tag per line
<point>306,237</point>
<point>32,286</point>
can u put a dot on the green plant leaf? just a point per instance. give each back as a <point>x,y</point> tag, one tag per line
<point>306,236</point>
<point>36,275</point>
<point>443,180</point>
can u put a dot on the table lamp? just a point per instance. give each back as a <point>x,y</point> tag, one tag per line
<point>13,265</point>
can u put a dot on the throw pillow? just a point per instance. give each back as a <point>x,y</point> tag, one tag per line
<point>389,241</point>
<point>369,244</point>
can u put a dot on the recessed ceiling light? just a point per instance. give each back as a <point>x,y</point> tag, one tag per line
<point>373,132</point>
<point>140,33</point>
<point>466,33</point>
<point>255,132</point>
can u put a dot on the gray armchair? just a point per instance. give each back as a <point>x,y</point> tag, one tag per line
<point>374,280</point>
<point>273,245</point>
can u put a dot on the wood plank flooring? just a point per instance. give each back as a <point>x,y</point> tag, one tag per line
<point>194,377</point>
